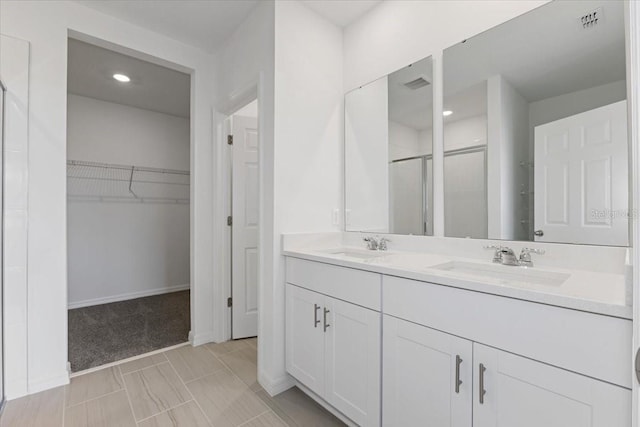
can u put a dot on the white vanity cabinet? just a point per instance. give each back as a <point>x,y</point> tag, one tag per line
<point>525,390</point>
<point>427,376</point>
<point>434,378</point>
<point>333,346</point>
<point>525,393</point>
<point>451,357</point>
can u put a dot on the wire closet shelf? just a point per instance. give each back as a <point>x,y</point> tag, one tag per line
<point>106,182</point>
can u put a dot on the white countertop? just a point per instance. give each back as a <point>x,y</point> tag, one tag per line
<point>601,293</point>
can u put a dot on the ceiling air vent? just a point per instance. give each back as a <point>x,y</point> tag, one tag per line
<point>591,19</point>
<point>417,83</point>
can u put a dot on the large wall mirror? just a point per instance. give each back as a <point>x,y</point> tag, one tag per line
<point>535,132</point>
<point>388,140</point>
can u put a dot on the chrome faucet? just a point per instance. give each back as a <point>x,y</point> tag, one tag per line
<point>525,256</point>
<point>372,243</point>
<point>505,256</point>
<point>376,243</point>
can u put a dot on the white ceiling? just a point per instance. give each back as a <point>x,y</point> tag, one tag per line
<point>152,87</point>
<point>201,23</point>
<point>342,12</point>
<point>545,52</point>
<point>208,23</point>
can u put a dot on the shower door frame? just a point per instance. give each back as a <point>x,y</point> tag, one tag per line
<point>3,95</point>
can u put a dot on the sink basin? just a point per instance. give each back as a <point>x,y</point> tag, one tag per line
<point>506,274</point>
<point>351,253</point>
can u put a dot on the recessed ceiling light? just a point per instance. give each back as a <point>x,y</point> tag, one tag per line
<point>121,78</point>
<point>447,113</point>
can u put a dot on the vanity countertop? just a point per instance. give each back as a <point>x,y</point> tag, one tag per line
<point>600,293</point>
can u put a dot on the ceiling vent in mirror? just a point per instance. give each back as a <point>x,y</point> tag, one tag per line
<point>417,83</point>
<point>591,19</point>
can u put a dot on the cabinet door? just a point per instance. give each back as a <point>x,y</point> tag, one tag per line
<point>421,368</point>
<point>305,337</point>
<point>525,393</point>
<point>352,346</point>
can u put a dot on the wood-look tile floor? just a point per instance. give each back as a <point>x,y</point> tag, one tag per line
<point>213,385</point>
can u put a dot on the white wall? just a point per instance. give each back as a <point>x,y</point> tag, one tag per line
<point>46,26</point>
<point>569,104</point>
<point>465,133</point>
<point>125,250</point>
<point>106,132</point>
<point>403,141</point>
<point>308,141</point>
<point>14,70</point>
<point>508,145</point>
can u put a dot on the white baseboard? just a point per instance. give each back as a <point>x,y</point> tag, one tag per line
<point>127,296</point>
<point>42,384</point>
<point>16,389</point>
<point>275,386</point>
<point>199,339</point>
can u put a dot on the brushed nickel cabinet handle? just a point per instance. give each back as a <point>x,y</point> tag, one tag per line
<point>326,325</point>
<point>316,321</point>
<point>482,390</point>
<point>458,380</point>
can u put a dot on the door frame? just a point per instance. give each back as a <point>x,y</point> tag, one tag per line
<point>195,337</point>
<point>222,184</point>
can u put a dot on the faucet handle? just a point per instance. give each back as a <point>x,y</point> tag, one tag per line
<point>497,256</point>
<point>525,256</point>
<point>382,244</point>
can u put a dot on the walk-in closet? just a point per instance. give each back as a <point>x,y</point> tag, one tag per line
<point>128,205</point>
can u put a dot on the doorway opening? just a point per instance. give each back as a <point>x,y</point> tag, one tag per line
<point>128,206</point>
<point>244,190</point>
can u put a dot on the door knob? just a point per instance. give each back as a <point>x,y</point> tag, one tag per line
<point>539,233</point>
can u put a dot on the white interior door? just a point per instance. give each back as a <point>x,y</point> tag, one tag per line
<point>581,178</point>
<point>244,231</point>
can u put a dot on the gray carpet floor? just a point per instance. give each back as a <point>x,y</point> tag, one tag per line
<point>109,332</point>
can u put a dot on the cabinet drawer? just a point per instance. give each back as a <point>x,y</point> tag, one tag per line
<point>348,284</point>
<point>590,344</point>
